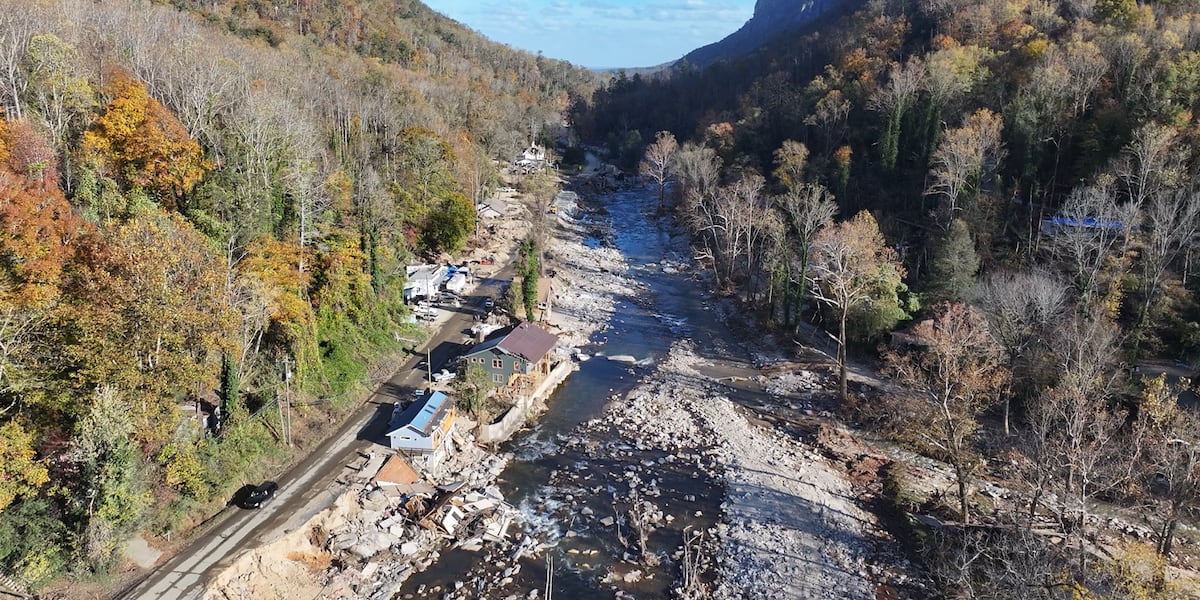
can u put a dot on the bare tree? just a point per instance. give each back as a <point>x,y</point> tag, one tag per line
<point>965,161</point>
<point>829,115</point>
<point>1007,561</point>
<point>1088,232</point>
<point>1171,223</point>
<point>1153,161</point>
<point>894,99</point>
<point>1086,68</point>
<point>16,29</point>
<point>201,86</point>
<point>728,222</point>
<point>955,368</point>
<point>1172,479</point>
<point>808,207</point>
<point>1076,423</point>
<point>1021,307</point>
<point>657,163</point>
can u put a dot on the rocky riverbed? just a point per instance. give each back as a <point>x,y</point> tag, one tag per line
<point>677,489</point>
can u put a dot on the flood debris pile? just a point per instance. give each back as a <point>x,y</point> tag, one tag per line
<point>382,530</point>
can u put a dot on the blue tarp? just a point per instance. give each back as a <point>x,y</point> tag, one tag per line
<point>1087,223</point>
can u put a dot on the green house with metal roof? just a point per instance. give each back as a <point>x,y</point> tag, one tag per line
<point>520,353</point>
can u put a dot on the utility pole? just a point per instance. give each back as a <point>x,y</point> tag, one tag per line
<point>285,404</point>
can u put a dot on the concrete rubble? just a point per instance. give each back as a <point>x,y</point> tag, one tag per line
<point>374,537</point>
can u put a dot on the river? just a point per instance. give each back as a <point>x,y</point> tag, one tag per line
<point>569,464</point>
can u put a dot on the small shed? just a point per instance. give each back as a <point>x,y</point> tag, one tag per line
<point>424,426</point>
<point>492,208</point>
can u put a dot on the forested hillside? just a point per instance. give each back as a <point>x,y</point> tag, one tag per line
<point>1010,188</point>
<point>997,115</point>
<point>199,201</point>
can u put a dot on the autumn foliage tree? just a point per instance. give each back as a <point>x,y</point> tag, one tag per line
<point>39,238</point>
<point>853,268</point>
<point>151,314</point>
<point>139,143</point>
<point>955,370</point>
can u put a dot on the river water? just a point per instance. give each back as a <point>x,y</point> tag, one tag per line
<point>560,467</point>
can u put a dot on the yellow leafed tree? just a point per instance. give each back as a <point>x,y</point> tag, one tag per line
<point>139,143</point>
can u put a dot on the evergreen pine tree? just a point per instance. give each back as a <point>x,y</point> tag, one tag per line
<point>954,264</point>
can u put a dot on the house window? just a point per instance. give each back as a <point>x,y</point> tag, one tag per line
<point>497,378</point>
<point>497,363</point>
<point>516,366</point>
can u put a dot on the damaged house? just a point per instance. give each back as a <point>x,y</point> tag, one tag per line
<point>424,427</point>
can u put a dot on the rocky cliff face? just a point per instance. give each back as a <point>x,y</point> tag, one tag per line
<point>771,19</point>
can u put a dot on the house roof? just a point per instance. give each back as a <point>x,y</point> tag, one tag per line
<point>425,273</point>
<point>528,342</point>
<point>525,340</point>
<point>486,345</point>
<point>397,471</point>
<point>422,416</point>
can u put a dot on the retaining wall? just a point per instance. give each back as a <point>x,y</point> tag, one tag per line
<point>514,418</point>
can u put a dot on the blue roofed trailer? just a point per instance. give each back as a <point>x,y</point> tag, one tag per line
<point>1055,225</point>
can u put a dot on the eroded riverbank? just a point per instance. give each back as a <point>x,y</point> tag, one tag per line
<point>638,458</point>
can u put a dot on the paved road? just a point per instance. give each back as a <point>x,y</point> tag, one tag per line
<point>312,484</point>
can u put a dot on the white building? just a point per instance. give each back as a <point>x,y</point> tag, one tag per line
<point>423,281</point>
<point>424,426</point>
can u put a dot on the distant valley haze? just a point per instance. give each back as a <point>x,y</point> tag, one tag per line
<point>602,34</point>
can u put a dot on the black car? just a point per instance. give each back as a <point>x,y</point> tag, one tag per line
<point>253,496</point>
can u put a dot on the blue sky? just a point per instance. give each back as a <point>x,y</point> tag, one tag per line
<point>602,33</point>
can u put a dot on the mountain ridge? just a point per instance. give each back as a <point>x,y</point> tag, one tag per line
<point>771,19</point>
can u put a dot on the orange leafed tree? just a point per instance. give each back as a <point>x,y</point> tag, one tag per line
<point>139,143</point>
<point>38,231</point>
<point>39,236</point>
